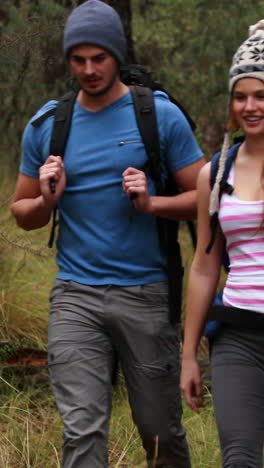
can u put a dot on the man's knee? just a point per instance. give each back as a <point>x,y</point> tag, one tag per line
<point>165,435</point>
<point>168,447</point>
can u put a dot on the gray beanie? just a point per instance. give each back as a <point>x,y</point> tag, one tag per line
<point>94,22</point>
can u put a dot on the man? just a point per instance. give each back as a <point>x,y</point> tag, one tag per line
<point>110,295</point>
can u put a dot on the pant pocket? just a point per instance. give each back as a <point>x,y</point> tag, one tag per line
<point>58,288</point>
<point>155,294</point>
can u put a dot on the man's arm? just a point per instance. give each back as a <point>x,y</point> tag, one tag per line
<point>33,201</point>
<point>182,206</point>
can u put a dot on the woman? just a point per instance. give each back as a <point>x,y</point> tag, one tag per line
<point>237,348</point>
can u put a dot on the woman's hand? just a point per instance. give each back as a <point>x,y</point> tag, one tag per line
<point>191,384</point>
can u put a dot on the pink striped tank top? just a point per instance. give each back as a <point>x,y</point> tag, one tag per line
<point>243,227</point>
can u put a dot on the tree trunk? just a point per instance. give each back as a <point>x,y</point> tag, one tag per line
<point>123,7</point>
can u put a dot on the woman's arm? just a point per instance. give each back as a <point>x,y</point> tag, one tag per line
<point>202,284</point>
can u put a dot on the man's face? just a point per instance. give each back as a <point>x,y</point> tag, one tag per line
<point>95,69</point>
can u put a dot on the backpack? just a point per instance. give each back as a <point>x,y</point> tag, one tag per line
<point>141,85</point>
<point>224,187</point>
<point>213,326</point>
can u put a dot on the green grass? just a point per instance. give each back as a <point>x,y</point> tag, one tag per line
<point>202,436</point>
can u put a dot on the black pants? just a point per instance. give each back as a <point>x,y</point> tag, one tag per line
<point>237,365</point>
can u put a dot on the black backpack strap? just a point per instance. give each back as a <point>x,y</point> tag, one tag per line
<point>58,142</point>
<point>184,111</point>
<point>224,186</point>
<point>54,224</point>
<point>62,124</point>
<point>147,123</point>
<point>59,136</point>
<point>37,122</point>
<point>135,74</point>
<point>167,229</point>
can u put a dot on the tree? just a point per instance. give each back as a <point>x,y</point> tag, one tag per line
<point>31,50</point>
<point>190,44</point>
<point>31,72</point>
<point>123,7</point>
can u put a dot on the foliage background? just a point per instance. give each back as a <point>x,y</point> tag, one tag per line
<point>189,44</point>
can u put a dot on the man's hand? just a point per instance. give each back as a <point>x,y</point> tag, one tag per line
<point>52,170</point>
<point>135,185</point>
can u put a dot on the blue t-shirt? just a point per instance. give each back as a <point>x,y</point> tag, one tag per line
<point>98,242</point>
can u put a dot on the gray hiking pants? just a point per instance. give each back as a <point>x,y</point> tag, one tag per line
<point>88,325</point>
<point>237,363</point>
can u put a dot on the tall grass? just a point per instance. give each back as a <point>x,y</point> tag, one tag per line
<point>202,436</point>
<point>27,269</point>
<point>31,429</point>
<point>30,434</point>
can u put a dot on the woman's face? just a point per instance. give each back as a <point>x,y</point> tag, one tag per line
<point>247,105</point>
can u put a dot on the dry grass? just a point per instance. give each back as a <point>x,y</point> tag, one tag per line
<point>31,429</point>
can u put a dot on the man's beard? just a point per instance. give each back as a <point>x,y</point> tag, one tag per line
<point>102,91</point>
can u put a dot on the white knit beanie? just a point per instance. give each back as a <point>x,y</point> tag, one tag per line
<point>248,60</point>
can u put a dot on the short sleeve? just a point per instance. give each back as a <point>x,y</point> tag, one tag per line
<point>178,143</point>
<point>35,143</point>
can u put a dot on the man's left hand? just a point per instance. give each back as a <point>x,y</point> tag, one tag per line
<point>135,185</point>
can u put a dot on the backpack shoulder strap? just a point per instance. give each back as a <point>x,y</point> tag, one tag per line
<point>39,120</point>
<point>184,111</point>
<point>147,123</point>
<point>224,186</point>
<point>168,229</point>
<point>58,140</point>
<point>214,168</point>
<point>135,74</point>
<point>62,124</point>
<point>231,155</point>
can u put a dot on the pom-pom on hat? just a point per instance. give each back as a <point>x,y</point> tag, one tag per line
<point>94,22</point>
<point>248,62</point>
